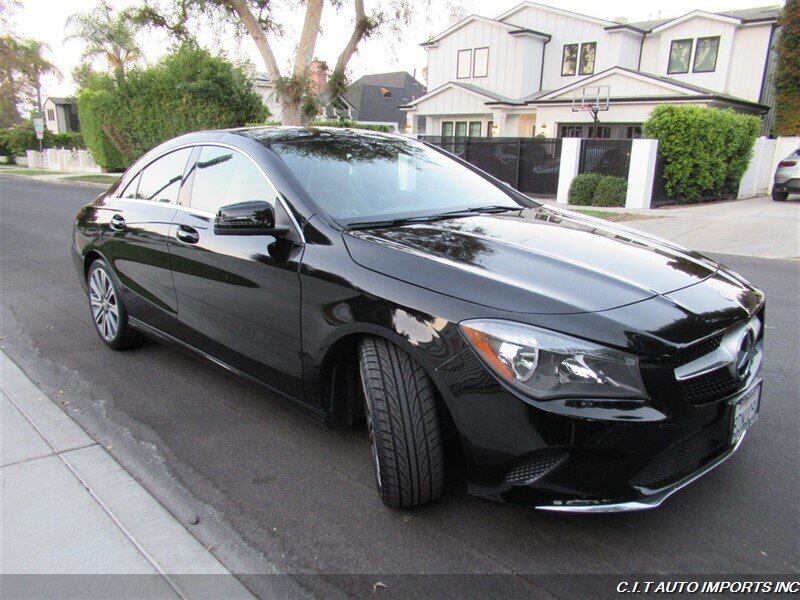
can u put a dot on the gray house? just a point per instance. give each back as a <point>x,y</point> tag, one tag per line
<point>60,114</point>
<point>376,98</point>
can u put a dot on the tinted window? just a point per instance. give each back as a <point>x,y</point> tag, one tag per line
<point>161,180</point>
<point>363,177</point>
<point>223,176</point>
<point>132,188</point>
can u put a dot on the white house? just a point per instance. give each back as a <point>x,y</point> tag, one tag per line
<point>60,114</point>
<point>529,71</point>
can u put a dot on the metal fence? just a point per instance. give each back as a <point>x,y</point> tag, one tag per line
<point>606,157</point>
<point>531,165</point>
<point>660,197</point>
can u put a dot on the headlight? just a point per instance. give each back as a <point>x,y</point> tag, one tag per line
<point>545,364</point>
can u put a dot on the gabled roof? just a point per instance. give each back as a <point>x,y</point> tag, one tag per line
<point>740,17</point>
<point>468,87</point>
<point>552,9</point>
<point>376,97</point>
<point>60,101</point>
<point>679,87</point>
<point>467,21</point>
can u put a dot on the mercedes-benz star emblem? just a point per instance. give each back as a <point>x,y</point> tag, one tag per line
<point>745,354</point>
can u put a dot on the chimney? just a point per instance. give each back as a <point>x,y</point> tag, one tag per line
<point>318,74</point>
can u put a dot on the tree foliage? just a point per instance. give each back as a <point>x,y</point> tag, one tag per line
<point>23,62</point>
<point>122,117</point>
<point>787,74</point>
<point>299,99</point>
<point>106,34</point>
<point>706,150</point>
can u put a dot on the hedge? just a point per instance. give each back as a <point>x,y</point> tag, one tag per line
<point>189,90</point>
<point>14,141</point>
<point>351,124</point>
<point>593,189</point>
<point>706,150</point>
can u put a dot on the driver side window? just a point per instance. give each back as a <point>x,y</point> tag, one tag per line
<point>223,176</point>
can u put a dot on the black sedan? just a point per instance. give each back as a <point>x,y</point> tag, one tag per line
<point>579,365</point>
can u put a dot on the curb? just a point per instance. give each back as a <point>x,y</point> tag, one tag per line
<point>61,180</point>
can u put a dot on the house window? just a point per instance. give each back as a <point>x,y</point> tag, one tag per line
<point>705,55</point>
<point>569,59</point>
<point>572,131</point>
<point>461,129</point>
<point>386,93</point>
<point>588,52</point>
<point>447,129</point>
<point>489,127</point>
<point>475,129</point>
<point>51,115</point>
<point>464,67</point>
<point>680,55</point>
<point>480,66</point>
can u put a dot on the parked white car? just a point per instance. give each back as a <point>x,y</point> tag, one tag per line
<point>787,177</point>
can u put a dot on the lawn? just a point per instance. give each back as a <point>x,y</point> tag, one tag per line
<point>109,179</point>
<point>27,172</point>
<point>617,217</point>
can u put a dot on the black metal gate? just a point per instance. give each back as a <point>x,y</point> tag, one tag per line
<point>606,157</point>
<point>530,165</point>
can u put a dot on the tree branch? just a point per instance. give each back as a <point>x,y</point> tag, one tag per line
<point>361,28</point>
<point>308,39</point>
<point>255,31</point>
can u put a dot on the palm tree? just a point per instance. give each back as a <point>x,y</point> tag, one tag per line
<point>107,34</point>
<point>34,64</point>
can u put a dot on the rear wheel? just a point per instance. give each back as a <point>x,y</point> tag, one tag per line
<point>108,311</point>
<point>779,196</point>
<point>403,425</point>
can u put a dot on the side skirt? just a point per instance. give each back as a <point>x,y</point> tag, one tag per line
<point>181,345</point>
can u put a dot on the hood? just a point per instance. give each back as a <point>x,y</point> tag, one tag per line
<point>543,261</point>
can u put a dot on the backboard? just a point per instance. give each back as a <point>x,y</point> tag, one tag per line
<point>591,98</point>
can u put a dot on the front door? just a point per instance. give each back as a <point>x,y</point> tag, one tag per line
<point>238,295</point>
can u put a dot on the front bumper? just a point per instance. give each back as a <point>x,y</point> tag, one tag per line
<point>578,458</point>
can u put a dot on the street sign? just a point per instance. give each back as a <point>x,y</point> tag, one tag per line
<point>38,125</point>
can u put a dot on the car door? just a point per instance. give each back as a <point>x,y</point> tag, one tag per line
<point>238,295</point>
<point>135,241</point>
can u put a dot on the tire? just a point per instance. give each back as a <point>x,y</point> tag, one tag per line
<point>108,311</point>
<point>403,425</point>
<point>779,196</point>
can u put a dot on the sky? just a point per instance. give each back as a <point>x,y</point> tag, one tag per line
<point>45,19</point>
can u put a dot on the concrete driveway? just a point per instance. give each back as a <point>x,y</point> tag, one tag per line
<point>758,227</point>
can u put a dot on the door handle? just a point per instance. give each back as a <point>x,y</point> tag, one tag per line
<point>117,222</point>
<point>187,235</point>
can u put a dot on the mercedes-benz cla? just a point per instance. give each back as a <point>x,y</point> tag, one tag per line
<point>577,365</point>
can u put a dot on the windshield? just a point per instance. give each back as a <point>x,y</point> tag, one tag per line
<point>363,178</point>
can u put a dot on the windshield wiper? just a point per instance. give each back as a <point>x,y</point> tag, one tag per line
<point>462,212</point>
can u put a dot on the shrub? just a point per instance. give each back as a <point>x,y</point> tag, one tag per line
<point>787,73</point>
<point>582,188</point>
<point>68,140</point>
<point>351,124</point>
<point>186,91</point>
<point>610,191</point>
<point>706,150</point>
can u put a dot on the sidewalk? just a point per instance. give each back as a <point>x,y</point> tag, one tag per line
<point>69,508</point>
<point>758,227</point>
<point>57,176</point>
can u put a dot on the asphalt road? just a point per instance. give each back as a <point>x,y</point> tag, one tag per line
<point>277,493</point>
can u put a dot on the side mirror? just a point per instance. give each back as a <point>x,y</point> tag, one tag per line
<point>247,218</point>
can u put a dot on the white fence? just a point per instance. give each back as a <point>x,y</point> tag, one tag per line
<point>757,179</point>
<point>55,159</point>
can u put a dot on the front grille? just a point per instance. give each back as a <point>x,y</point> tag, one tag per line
<point>698,349</point>
<point>682,458</point>
<point>709,387</point>
<point>535,467</point>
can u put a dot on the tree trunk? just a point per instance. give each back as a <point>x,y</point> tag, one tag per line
<point>292,112</point>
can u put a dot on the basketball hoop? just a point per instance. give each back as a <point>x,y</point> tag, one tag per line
<point>583,108</point>
<point>591,99</point>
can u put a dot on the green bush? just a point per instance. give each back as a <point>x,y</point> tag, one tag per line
<point>68,140</point>
<point>611,191</point>
<point>582,188</point>
<point>351,124</point>
<point>189,90</point>
<point>706,150</point>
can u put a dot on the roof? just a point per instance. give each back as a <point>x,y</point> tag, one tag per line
<point>466,21</point>
<point>377,97</point>
<point>493,97</point>
<point>60,101</point>
<point>701,91</point>
<point>744,15</point>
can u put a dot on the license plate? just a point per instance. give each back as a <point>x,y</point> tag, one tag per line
<point>745,413</point>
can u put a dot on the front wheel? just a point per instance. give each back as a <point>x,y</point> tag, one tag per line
<point>108,311</point>
<point>779,196</point>
<point>403,425</point>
